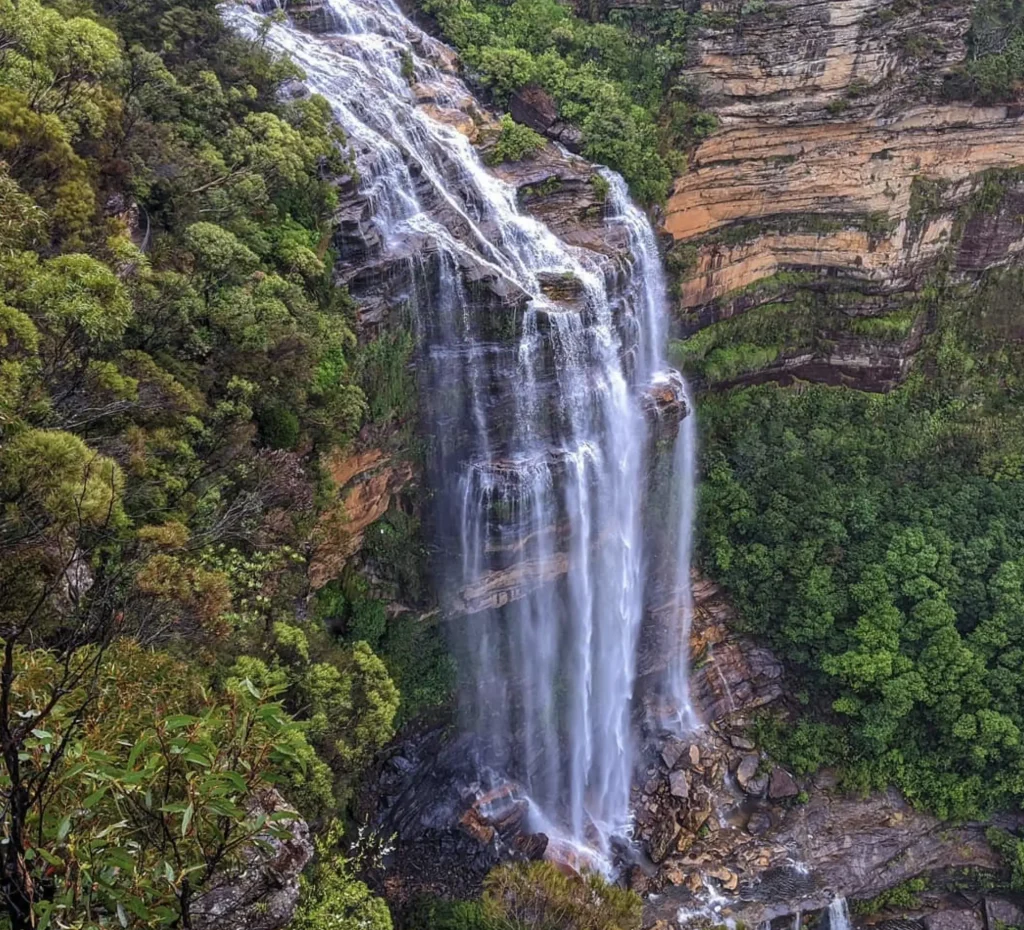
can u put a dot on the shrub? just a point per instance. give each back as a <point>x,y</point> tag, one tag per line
<point>515,142</point>
<point>279,427</point>
<point>539,895</point>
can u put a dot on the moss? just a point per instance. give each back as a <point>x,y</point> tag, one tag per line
<point>901,897</point>
<point>892,327</point>
<point>926,196</point>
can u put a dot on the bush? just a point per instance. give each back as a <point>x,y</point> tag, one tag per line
<point>614,81</point>
<point>539,895</point>
<point>279,427</point>
<point>515,142</point>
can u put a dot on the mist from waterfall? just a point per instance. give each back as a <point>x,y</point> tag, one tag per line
<point>538,445</point>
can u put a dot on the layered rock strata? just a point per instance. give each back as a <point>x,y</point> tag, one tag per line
<point>837,160</point>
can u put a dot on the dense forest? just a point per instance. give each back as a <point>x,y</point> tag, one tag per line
<point>876,542</point>
<point>174,358</point>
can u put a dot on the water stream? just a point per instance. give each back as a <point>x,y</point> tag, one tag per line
<point>538,443</point>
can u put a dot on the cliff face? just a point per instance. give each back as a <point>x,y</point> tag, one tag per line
<point>837,160</point>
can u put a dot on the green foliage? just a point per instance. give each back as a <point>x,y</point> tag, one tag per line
<point>53,478</point>
<point>151,791</point>
<point>618,82</point>
<point>411,647</point>
<point>540,895</point>
<point>332,898</point>
<point>994,70</point>
<point>279,427</point>
<point>514,143</point>
<point>1011,848</point>
<point>438,914</point>
<point>877,543</point>
<point>170,335</point>
<point>386,378</point>
<point>901,897</point>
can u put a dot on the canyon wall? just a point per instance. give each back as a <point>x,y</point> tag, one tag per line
<point>840,180</point>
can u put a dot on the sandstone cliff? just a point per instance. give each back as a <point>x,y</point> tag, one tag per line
<point>837,160</point>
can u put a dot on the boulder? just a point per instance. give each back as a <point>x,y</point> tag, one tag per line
<point>759,823</point>
<point>536,108</point>
<point>747,769</point>
<point>678,784</point>
<point>671,752</point>
<point>782,785</point>
<point>1003,911</point>
<point>955,919</point>
<point>662,838</point>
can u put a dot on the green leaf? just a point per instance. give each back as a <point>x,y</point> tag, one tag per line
<point>63,828</point>
<point>93,799</point>
<point>187,819</point>
<point>177,721</point>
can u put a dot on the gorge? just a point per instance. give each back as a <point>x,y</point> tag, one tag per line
<point>359,360</point>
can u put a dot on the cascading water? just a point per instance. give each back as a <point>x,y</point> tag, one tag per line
<point>839,914</point>
<point>533,358</point>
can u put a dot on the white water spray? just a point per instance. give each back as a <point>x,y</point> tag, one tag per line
<point>839,914</point>
<point>538,442</point>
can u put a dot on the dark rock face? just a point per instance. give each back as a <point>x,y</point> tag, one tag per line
<point>262,895</point>
<point>534,106</point>
<point>452,820</point>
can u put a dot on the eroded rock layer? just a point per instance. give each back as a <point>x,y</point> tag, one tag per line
<point>837,160</point>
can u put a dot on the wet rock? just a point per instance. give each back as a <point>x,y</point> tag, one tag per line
<point>638,880</point>
<point>955,919</point>
<point>757,787</point>
<point>564,287</point>
<point>741,742</point>
<point>782,785</point>
<point>694,756</point>
<point>671,752</point>
<point>663,836</point>
<point>678,785</point>
<point>729,879</point>
<point>747,769</point>
<point>699,809</point>
<point>531,845</point>
<point>1003,911</point>
<point>759,823</point>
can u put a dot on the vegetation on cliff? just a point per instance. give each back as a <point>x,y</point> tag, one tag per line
<point>174,358</point>
<point>619,81</point>
<point>994,70</point>
<point>877,541</point>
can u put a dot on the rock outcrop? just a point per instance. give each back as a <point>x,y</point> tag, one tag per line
<point>838,163</point>
<point>264,892</point>
<point>365,484</point>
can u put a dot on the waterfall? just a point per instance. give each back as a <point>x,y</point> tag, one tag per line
<point>538,440</point>
<point>839,914</point>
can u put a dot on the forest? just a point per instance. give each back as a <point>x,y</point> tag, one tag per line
<point>174,358</point>
<point>875,540</point>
